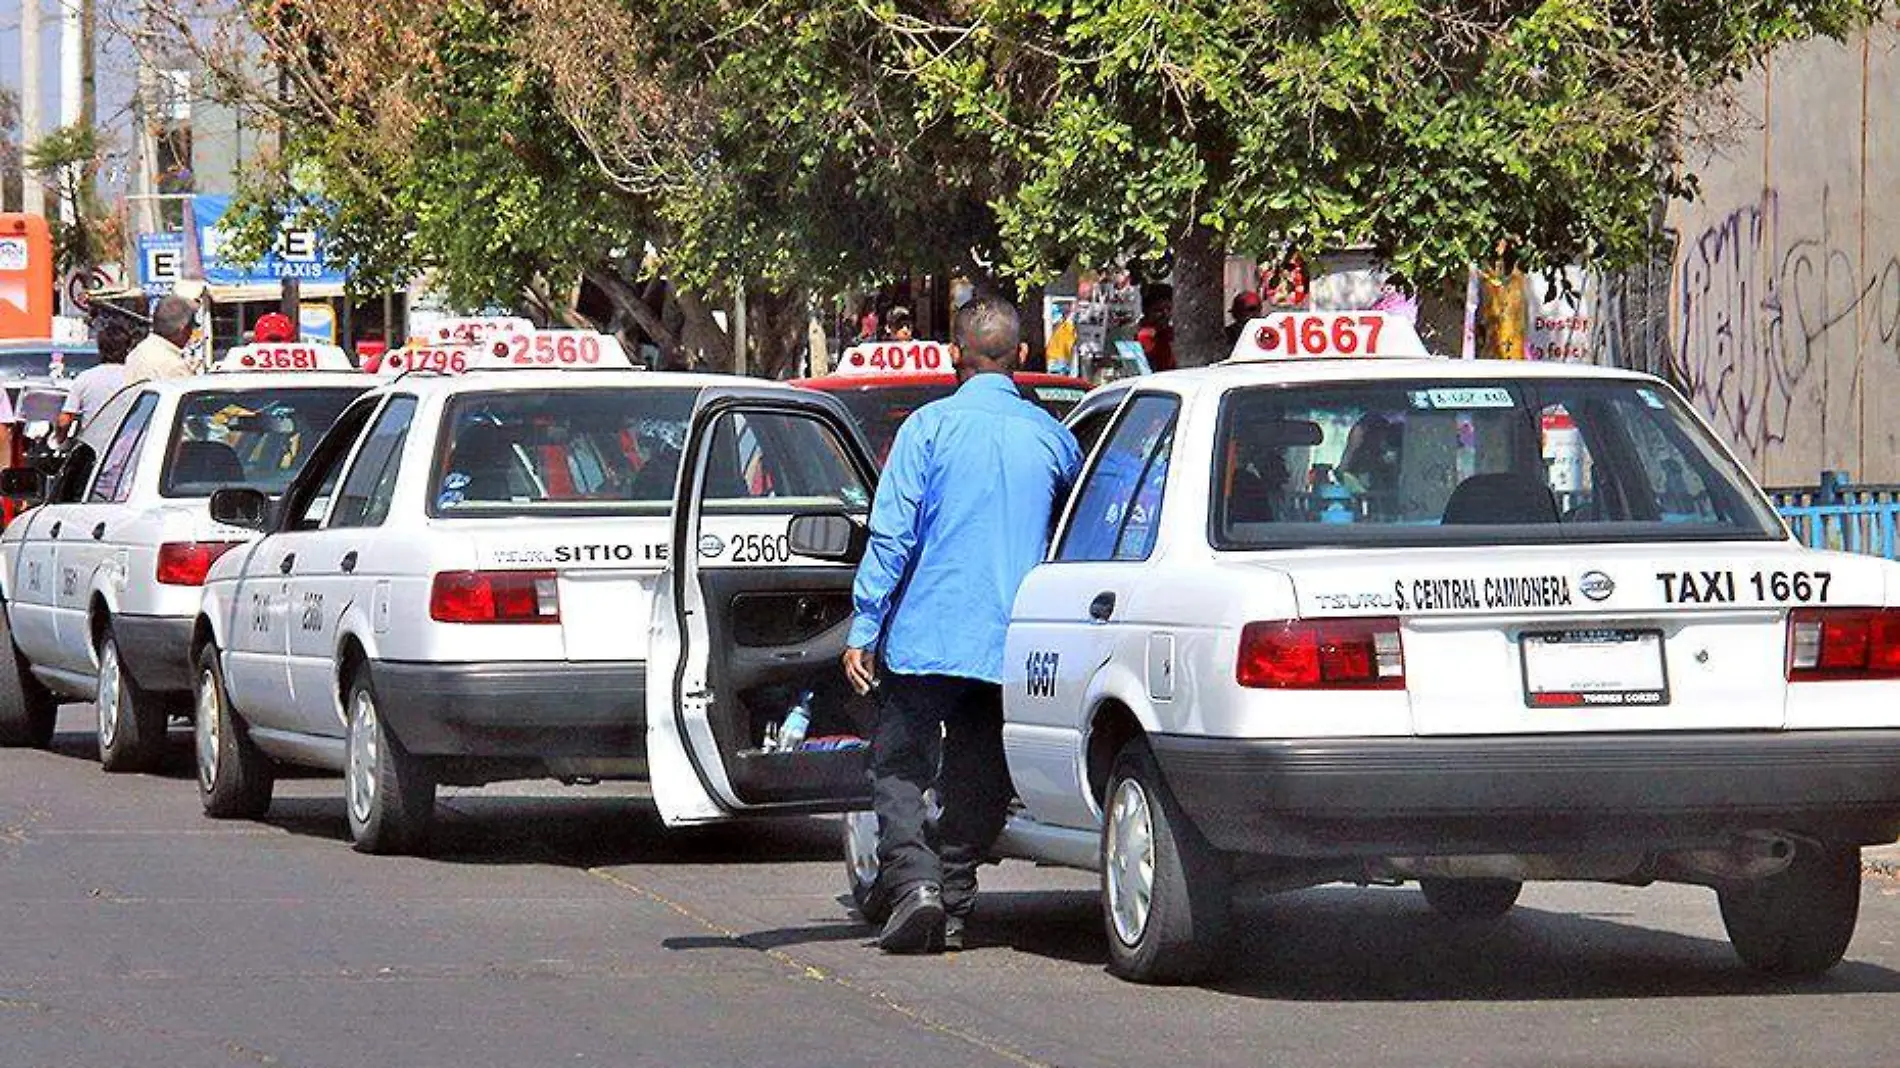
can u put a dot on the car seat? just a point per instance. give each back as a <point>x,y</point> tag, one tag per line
<point>1503,497</point>
<point>484,454</point>
<point>199,463</point>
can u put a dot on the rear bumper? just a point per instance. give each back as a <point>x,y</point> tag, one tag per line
<point>156,650</point>
<point>1370,797</point>
<point>527,710</point>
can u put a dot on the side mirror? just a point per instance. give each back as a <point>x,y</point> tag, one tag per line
<point>837,538</point>
<point>26,482</point>
<point>241,506</point>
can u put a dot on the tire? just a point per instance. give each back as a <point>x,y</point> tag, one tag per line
<point>132,721</point>
<point>28,710</point>
<point>1177,934</point>
<point>860,868</point>
<point>235,778</point>
<point>389,797</point>
<point>1800,921</point>
<point>1471,899</point>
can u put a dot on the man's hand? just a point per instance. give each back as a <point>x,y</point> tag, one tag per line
<point>861,669</point>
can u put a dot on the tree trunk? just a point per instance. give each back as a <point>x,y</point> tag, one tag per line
<point>776,320</point>
<point>701,331</point>
<point>1200,263</point>
<point>631,303</point>
<point>1441,315</point>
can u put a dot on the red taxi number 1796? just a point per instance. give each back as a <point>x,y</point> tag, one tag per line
<point>1314,335</point>
<point>552,349</point>
<point>919,357</point>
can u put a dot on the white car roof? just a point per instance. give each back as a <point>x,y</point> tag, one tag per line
<point>440,385</point>
<point>1265,372</point>
<point>266,380</point>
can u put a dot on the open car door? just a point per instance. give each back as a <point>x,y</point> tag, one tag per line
<point>744,628</point>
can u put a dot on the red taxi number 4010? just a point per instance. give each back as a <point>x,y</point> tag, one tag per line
<point>297,359</point>
<point>547,350</point>
<point>1316,335</point>
<point>919,357</point>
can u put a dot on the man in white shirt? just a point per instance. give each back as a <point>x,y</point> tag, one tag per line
<point>162,353</point>
<point>95,386</point>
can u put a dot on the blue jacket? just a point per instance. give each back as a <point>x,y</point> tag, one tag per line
<point>963,511</point>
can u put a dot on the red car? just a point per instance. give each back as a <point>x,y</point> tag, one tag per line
<point>881,401</point>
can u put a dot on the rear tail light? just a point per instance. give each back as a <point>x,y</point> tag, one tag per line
<point>494,597</point>
<point>1843,643</point>
<point>1324,654</point>
<point>185,563</point>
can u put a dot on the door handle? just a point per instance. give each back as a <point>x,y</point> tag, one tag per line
<point>98,532</point>
<point>54,533</point>
<point>349,562</point>
<point>1102,606</point>
<point>289,561</point>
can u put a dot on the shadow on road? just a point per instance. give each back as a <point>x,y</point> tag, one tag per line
<point>1349,944</point>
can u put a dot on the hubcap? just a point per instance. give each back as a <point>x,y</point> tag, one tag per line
<point>111,694</point>
<point>860,847</point>
<point>365,753</point>
<point>1130,861</point>
<point>206,729</point>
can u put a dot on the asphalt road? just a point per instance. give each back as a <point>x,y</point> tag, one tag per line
<point>572,929</point>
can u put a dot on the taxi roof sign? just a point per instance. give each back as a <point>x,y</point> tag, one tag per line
<point>528,350</point>
<point>473,329</point>
<point>283,356</point>
<point>1347,335</point>
<point>895,358</point>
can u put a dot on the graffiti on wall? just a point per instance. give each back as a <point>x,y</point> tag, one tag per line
<point>1770,306</point>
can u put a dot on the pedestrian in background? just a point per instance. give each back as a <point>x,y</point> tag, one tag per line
<point>162,353</point>
<point>962,513</point>
<point>1156,332</point>
<point>1244,309</point>
<point>899,324</point>
<point>95,385</point>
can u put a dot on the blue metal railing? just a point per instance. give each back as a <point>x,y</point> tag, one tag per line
<point>1837,515</point>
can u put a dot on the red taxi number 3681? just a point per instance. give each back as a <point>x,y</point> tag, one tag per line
<point>284,359</point>
<point>1314,335</point>
<point>920,357</point>
<point>553,348</point>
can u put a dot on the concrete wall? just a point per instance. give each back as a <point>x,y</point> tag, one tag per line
<point>1785,293</point>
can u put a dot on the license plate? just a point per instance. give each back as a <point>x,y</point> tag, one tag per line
<point>1582,668</point>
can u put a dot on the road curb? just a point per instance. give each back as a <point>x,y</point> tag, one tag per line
<point>1883,861</point>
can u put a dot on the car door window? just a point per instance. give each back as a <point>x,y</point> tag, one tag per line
<point>309,494</point>
<point>1118,508</point>
<point>769,461</point>
<point>114,483</point>
<point>370,485</point>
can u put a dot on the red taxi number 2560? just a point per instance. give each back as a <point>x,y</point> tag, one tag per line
<point>1344,335</point>
<point>551,349</point>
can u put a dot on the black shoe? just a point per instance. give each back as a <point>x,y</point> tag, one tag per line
<point>952,933</point>
<point>916,923</point>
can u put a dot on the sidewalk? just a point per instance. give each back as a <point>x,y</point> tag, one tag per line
<point>1881,860</point>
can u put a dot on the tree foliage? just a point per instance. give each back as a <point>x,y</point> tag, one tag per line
<point>786,145</point>
<point>66,158</point>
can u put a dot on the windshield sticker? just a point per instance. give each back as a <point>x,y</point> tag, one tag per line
<point>1455,399</point>
<point>1650,398</point>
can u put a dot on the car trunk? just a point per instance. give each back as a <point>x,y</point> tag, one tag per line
<point>1690,636</point>
<point>605,573</point>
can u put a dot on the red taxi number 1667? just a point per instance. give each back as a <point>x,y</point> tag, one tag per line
<point>1344,335</point>
<point>552,349</point>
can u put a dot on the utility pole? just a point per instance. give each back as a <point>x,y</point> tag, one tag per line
<point>32,190</point>
<point>72,93</point>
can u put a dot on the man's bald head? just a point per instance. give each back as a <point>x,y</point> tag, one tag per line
<point>988,335</point>
<point>173,318</point>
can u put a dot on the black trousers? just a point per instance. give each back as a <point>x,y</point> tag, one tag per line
<point>947,731</point>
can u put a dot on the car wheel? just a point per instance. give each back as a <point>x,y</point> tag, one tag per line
<point>1471,899</point>
<point>861,867</point>
<point>132,722</point>
<point>235,778</point>
<point>28,710</point>
<point>390,798</point>
<point>1797,922</point>
<point>1166,894</point>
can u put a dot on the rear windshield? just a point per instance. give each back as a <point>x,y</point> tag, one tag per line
<point>598,451</point>
<point>879,411</point>
<point>1473,462</point>
<point>38,363</point>
<point>249,437</point>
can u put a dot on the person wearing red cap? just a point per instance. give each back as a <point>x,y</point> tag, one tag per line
<point>274,327</point>
<point>1244,309</point>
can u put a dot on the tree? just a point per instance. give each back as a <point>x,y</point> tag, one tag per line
<point>66,158</point>
<point>11,173</point>
<point>1430,130</point>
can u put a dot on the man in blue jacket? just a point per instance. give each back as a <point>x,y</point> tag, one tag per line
<point>963,511</point>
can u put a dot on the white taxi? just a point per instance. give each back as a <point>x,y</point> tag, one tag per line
<point>101,581</point>
<point>1313,617</point>
<point>471,602</point>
